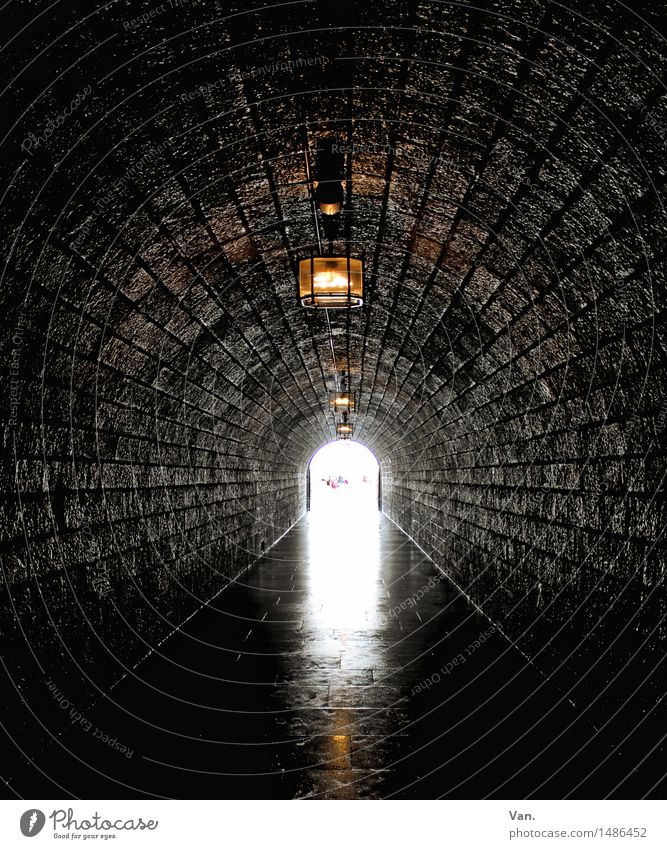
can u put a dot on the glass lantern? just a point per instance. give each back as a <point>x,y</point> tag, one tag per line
<point>344,430</point>
<point>331,282</point>
<point>342,401</point>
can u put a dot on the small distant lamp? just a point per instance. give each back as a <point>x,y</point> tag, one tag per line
<point>329,185</point>
<point>343,401</point>
<point>329,197</point>
<point>344,430</point>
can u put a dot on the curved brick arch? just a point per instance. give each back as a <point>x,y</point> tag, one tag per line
<point>507,190</point>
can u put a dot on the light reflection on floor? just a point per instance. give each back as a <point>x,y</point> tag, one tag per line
<point>343,600</point>
<point>344,564</point>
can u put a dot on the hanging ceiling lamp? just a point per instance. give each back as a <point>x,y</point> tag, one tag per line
<point>332,282</point>
<point>344,430</point>
<point>328,183</point>
<point>343,401</point>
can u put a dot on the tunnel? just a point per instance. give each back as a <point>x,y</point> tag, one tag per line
<point>176,623</point>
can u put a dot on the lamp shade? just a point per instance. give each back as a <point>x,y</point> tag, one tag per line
<point>329,197</point>
<point>343,401</point>
<point>331,282</point>
<point>329,183</point>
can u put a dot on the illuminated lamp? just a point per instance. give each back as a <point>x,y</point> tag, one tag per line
<point>344,430</point>
<point>329,186</point>
<point>343,401</point>
<point>329,197</point>
<point>331,282</point>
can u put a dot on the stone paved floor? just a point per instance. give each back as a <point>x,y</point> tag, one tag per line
<point>328,670</point>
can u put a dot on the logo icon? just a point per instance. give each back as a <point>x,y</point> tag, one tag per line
<point>32,822</point>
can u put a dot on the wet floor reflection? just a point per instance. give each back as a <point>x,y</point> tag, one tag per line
<point>345,606</point>
<point>327,671</point>
<point>343,567</point>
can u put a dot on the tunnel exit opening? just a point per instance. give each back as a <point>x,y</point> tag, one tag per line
<point>343,476</point>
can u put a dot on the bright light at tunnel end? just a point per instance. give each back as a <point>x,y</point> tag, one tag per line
<point>351,449</point>
<point>344,478</point>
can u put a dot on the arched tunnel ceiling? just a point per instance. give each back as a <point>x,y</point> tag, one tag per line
<point>505,183</point>
<point>502,188</point>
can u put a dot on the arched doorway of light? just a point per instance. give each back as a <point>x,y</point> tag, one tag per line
<point>342,555</point>
<point>343,475</point>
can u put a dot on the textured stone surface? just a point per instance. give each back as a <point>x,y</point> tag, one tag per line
<point>284,687</point>
<point>506,189</point>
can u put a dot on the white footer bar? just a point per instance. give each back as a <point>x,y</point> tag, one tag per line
<point>335,825</point>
